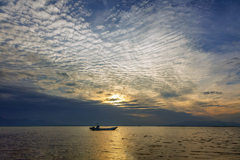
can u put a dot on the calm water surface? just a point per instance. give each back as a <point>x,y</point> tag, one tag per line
<point>123,143</point>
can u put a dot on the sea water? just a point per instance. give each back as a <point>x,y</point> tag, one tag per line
<point>124,143</point>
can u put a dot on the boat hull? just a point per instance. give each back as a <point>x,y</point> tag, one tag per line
<point>102,129</point>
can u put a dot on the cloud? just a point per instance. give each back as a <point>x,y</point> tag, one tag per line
<point>211,92</point>
<point>71,84</point>
<point>169,94</point>
<point>100,27</point>
<point>25,102</point>
<point>69,92</point>
<point>100,92</point>
<point>151,54</point>
<point>63,74</point>
<point>210,104</point>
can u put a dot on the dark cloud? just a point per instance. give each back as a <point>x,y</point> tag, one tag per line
<point>69,91</point>
<point>27,74</point>
<point>63,74</point>
<point>26,102</point>
<point>100,92</point>
<point>71,84</point>
<point>171,94</point>
<point>134,100</point>
<point>217,105</point>
<point>201,103</point>
<point>209,104</point>
<point>211,92</point>
<point>112,99</point>
<point>234,61</point>
<point>131,105</point>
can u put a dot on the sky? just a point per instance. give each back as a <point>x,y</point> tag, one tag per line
<point>121,62</point>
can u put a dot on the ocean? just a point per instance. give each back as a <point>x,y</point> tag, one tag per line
<point>77,143</point>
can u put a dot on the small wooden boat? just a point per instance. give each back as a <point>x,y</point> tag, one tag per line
<point>101,129</point>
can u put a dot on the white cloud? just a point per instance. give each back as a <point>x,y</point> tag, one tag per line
<point>43,15</point>
<point>51,9</point>
<point>149,53</point>
<point>100,27</point>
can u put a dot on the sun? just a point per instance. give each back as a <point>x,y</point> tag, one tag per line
<point>115,99</point>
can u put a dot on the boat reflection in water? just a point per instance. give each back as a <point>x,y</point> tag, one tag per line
<point>125,143</point>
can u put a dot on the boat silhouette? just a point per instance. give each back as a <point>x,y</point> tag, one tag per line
<point>97,128</point>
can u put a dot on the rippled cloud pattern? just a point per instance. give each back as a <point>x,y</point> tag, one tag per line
<point>181,56</point>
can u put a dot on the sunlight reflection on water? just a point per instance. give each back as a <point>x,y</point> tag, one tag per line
<point>123,143</point>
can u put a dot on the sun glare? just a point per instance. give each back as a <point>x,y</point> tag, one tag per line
<point>114,99</point>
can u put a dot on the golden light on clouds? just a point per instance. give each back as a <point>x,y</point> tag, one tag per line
<point>114,99</point>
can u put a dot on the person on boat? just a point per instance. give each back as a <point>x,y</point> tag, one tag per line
<point>97,126</point>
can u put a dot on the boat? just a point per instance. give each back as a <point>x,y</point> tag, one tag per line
<point>101,129</point>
